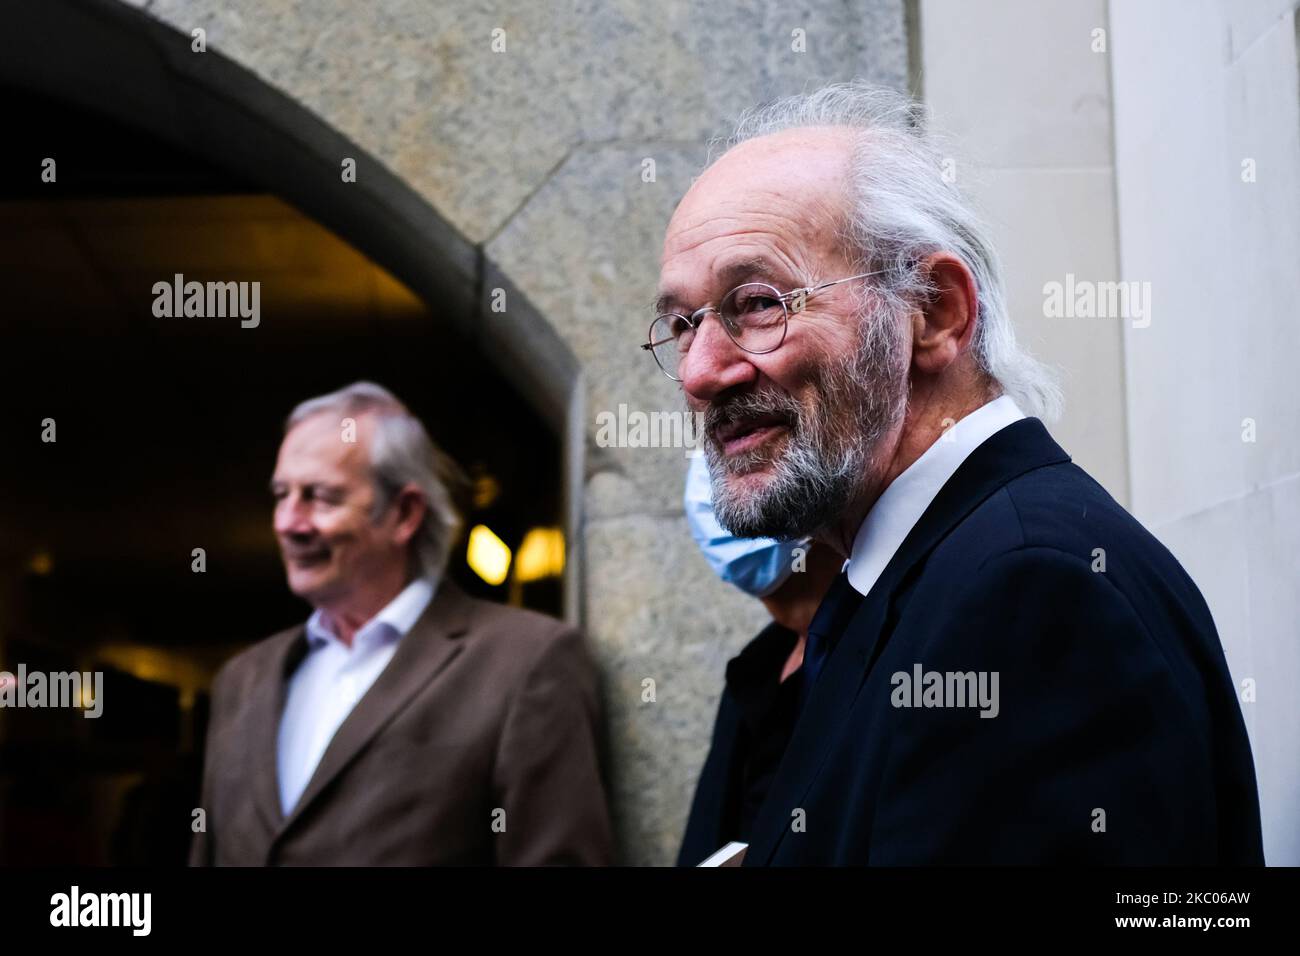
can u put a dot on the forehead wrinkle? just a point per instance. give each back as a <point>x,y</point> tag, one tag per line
<point>799,219</point>
<point>733,272</point>
<point>763,254</point>
<point>771,192</point>
<point>721,224</point>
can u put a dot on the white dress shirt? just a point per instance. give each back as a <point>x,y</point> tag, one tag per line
<point>332,678</point>
<point>901,505</point>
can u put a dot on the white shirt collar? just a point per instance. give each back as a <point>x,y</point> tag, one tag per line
<point>398,616</point>
<point>901,505</point>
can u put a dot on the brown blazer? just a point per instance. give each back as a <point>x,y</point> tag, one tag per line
<point>482,708</point>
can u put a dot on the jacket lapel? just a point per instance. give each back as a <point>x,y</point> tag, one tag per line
<point>263,727</point>
<point>422,654</point>
<point>1004,456</point>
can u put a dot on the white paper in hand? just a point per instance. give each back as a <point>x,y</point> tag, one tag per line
<point>730,855</point>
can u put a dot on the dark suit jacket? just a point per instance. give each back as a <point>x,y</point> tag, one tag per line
<point>1115,698</point>
<point>482,707</point>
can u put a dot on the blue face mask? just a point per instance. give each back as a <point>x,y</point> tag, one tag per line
<point>757,566</point>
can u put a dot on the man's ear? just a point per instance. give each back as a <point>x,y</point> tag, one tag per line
<point>411,509</point>
<point>944,325</point>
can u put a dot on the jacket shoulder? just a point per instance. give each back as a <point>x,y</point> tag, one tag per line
<point>1058,507</point>
<point>1068,510</point>
<point>523,621</point>
<point>521,639</point>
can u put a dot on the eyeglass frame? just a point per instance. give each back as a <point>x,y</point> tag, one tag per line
<point>793,302</point>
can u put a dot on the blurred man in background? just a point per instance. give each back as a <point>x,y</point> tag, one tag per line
<point>405,723</point>
<point>764,683</point>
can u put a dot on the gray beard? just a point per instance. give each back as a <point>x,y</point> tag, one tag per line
<point>830,448</point>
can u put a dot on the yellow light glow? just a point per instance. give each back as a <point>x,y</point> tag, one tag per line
<point>142,662</point>
<point>175,667</point>
<point>42,563</point>
<point>486,490</point>
<point>541,555</point>
<point>487,555</point>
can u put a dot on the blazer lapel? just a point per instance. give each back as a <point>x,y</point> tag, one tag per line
<point>1004,456</point>
<point>263,727</point>
<point>422,654</point>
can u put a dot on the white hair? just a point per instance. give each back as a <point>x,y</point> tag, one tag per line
<point>903,210</point>
<point>401,453</point>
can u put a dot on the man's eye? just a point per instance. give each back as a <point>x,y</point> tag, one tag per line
<point>758,303</point>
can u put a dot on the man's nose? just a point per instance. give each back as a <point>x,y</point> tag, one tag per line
<point>714,363</point>
<point>291,516</point>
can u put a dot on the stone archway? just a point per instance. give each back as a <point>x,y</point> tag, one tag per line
<point>134,68</point>
<point>527,151</point>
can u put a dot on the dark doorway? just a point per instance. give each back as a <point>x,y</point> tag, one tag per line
<point>166,433</point>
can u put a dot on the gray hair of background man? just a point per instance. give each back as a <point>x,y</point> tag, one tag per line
<point>401,453</point>
<point>903,209</point>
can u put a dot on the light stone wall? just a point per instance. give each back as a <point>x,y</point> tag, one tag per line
<point>1017,85</point>
<point>1201,88</point>
<point>536,156</point>
<point>1125,162</point>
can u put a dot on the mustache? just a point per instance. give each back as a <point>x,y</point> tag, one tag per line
<point>302,548</point>
<point>748,407</point>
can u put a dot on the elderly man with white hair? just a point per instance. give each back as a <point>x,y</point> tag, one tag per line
<point>1010,668</point>
<point>404,723</point>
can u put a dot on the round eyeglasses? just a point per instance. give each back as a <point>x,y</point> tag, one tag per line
<point>755,316</point>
